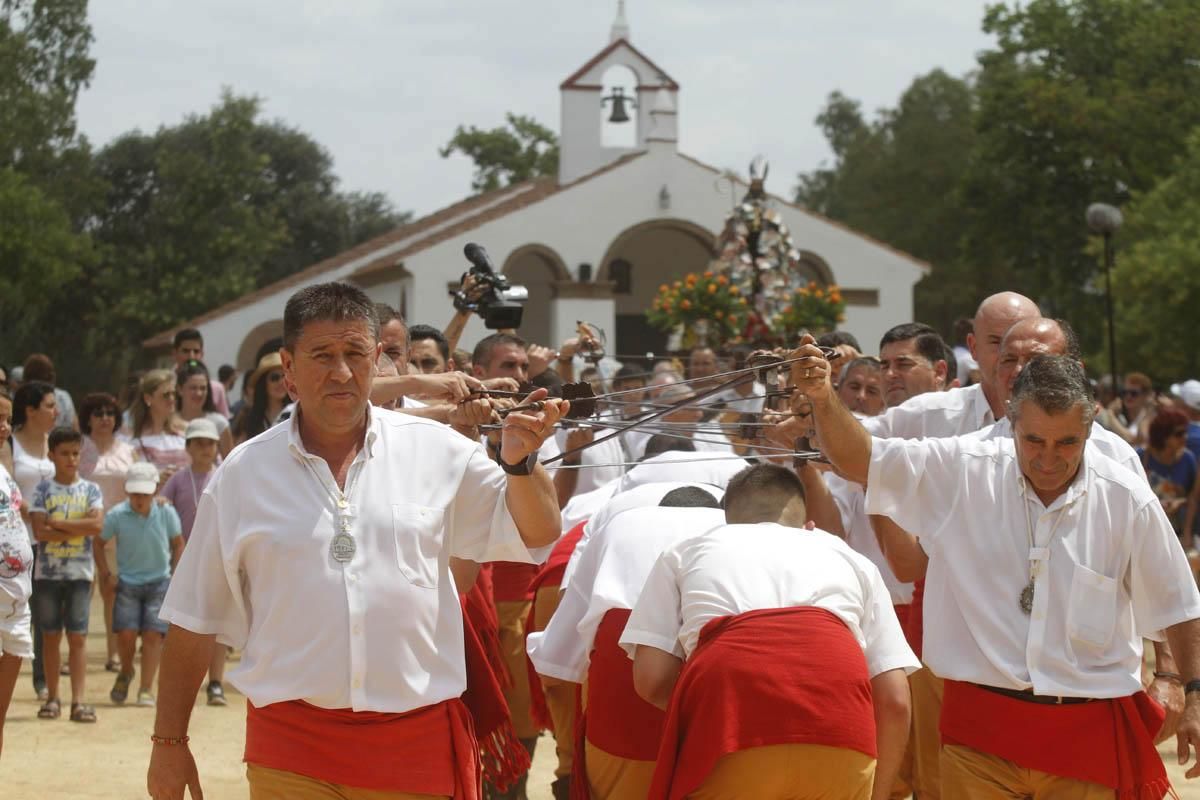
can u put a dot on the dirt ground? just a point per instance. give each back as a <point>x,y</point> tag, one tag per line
<point>57,760</point>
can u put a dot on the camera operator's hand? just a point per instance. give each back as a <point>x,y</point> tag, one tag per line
<point>472,288</point>
<point>539,359</point>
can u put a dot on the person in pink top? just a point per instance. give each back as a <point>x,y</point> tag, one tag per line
<point>189,346</point>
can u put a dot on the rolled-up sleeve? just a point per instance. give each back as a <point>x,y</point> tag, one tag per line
<point>205,594</point>
<point>481,527</point>
<point>913,482</point>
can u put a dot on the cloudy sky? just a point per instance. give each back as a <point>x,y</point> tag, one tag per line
<point>383,83</point>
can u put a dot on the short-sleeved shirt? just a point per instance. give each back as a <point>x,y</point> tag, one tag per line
<point>163,450</point>
<point>184,490</point>
<point>108,469</point>
<point>739,568</point>
<point>143,542</point>
<point>16,555</point>
<point>1193,440</point>
<point>71,559</point>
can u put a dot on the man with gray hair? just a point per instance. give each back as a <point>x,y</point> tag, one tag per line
<point>1052,562</point>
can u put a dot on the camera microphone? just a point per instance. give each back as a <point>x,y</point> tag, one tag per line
<point>479,257</point>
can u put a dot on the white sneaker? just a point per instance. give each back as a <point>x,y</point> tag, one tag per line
<point>145,699</point>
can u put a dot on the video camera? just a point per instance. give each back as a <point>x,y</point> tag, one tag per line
<point>493,298</point>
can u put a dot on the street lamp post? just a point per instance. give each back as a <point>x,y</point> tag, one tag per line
<point>1105,220</point>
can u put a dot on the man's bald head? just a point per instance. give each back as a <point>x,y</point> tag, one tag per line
<point>995,316</point>
<point>1026,339</point>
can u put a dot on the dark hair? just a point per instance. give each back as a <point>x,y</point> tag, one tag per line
<point>951,359</point>
<point>929,344</point>
<point>1166,421</point>
<point>661,443</point>
<point>836,338</point>
<point>386,314</point>
<point>39,367</point>
<point>334,302</point>
<point>550,380</point>
<point>1140,380</point>
<point>30,395</point>
<point>421,333</point>
<point>481,356</point>
<point>97,401</point>
<point>187,335</point>
<point>252,419</point>
<point>962,327</point>
<point>1055,384</point>
<point>225,372</point>
<point>190,369</point>
<point>63,435</point>
<point>1073,349</point>
<point>689,497</point>
<point>629,373</point>
<point>759,493</point>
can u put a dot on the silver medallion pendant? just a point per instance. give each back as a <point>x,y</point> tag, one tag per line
<point>342,548</point>
<point>1027,599</point>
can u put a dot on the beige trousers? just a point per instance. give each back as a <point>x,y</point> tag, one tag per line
<point>560,695</point>
<point>980,776</point>
<point>789,772</point>
<point>278,784</point>
<point>512,646</point>
<point>614,778</point>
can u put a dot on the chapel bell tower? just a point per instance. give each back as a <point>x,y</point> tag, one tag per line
<point>619,102</point>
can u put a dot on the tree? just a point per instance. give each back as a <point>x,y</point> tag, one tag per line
<point>1080,101</point>
<point>1156,282</point>
<point>503,156</point>
<point>896,178</point>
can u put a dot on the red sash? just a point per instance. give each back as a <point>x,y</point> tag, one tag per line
<point>510,581</point>
<point>773,676</point>
<point>550,576</point>
<point>914,626</point>
<point>618,721</point>
<point>504,758</point>
<point>1111,741</point>
<point>430,750</point>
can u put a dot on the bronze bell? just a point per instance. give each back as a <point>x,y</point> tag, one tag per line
<point>618,100</point>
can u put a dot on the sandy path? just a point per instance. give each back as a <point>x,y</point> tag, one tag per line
<point>59,759</point>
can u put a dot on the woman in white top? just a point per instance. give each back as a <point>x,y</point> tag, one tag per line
<point>104,460</point>
<point>156,432</point>
<point>34,412</point>
<point>195,401</point>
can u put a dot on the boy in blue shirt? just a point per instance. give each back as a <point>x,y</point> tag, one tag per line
<point>149,542</point>
<point>65,515</point>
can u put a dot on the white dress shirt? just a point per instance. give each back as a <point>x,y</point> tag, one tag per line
<point>581,507</point>
<point>597,461</point>
<point>680,465</point>
<point>648,494</point>
<point>381,632</point>
<point>953,412</point>
<point>1113,570</point>
<point>610,575</point>
<point>738,568</point>
<point>851,504</point>
<point>1102,439</point>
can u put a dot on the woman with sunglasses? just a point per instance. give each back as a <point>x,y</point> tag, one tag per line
<point>268,400</point>
<point>104,460</point>
<point>1172,470</point>
<point>156,430</point>
<point>1134,409</point>
<point>196,401</point>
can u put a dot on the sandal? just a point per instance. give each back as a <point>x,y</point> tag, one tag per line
<point>112,665</point>
<point>82,712</point>
<point>51,709</point>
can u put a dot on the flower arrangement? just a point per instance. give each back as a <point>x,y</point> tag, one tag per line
<point>704,306</point>
<point>812,308</point>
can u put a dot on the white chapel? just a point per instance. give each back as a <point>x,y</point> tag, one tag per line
<point>627,212</point>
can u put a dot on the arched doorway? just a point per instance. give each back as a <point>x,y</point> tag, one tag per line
<point>256,338</point>
<point>536,267</point>
<point>642,258</point>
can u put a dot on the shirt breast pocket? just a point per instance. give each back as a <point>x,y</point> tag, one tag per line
<point>418,533</point>
<point>1092,609</point>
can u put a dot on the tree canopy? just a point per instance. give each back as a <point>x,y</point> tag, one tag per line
<point>517,151</point>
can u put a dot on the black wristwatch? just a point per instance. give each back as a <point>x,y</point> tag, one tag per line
<point>521,469</point>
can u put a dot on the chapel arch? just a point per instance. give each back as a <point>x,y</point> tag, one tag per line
<point>537,267</point>
<point>256,338</point>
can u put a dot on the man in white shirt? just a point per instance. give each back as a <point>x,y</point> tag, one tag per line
<point>308,544</point>
<point>795,662</point>
<point>1052,561</point>
<point>861,386</point>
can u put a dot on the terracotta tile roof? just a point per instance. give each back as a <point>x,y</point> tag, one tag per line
<point>924,266</point>
<point>523,194</point>
<point>572,82</point>
<point>544,188</point>
<point>395,235</point>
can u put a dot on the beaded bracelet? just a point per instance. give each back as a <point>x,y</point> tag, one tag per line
<point>1170,676</point>
<point>170,740</point>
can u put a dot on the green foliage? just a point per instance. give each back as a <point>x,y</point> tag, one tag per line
<point>521,150</point>
<point>1156,282</point>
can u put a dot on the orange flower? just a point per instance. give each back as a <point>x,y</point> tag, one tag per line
<point>712,288</point>
<point>666,306</point>
<point>734,290</point>
<point>685,305</point>
<point>678,284</point>
<point>691,280</point>
<point>708,274</point>
<point>787,309</point>
<point>664,288</point>
<point>742,300</point>
<point>721,279</point>
<point>719,314</point>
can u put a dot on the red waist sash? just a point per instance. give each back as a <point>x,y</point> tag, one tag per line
<point>1110,742</point>
<point>430,750</point>
<point>551,573</point>
<point>618,721</point>
<point>773,676</point>
<point>511,581</point>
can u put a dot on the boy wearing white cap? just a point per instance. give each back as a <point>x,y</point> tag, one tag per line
<point>149,542</point>
<point>184,490</point>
